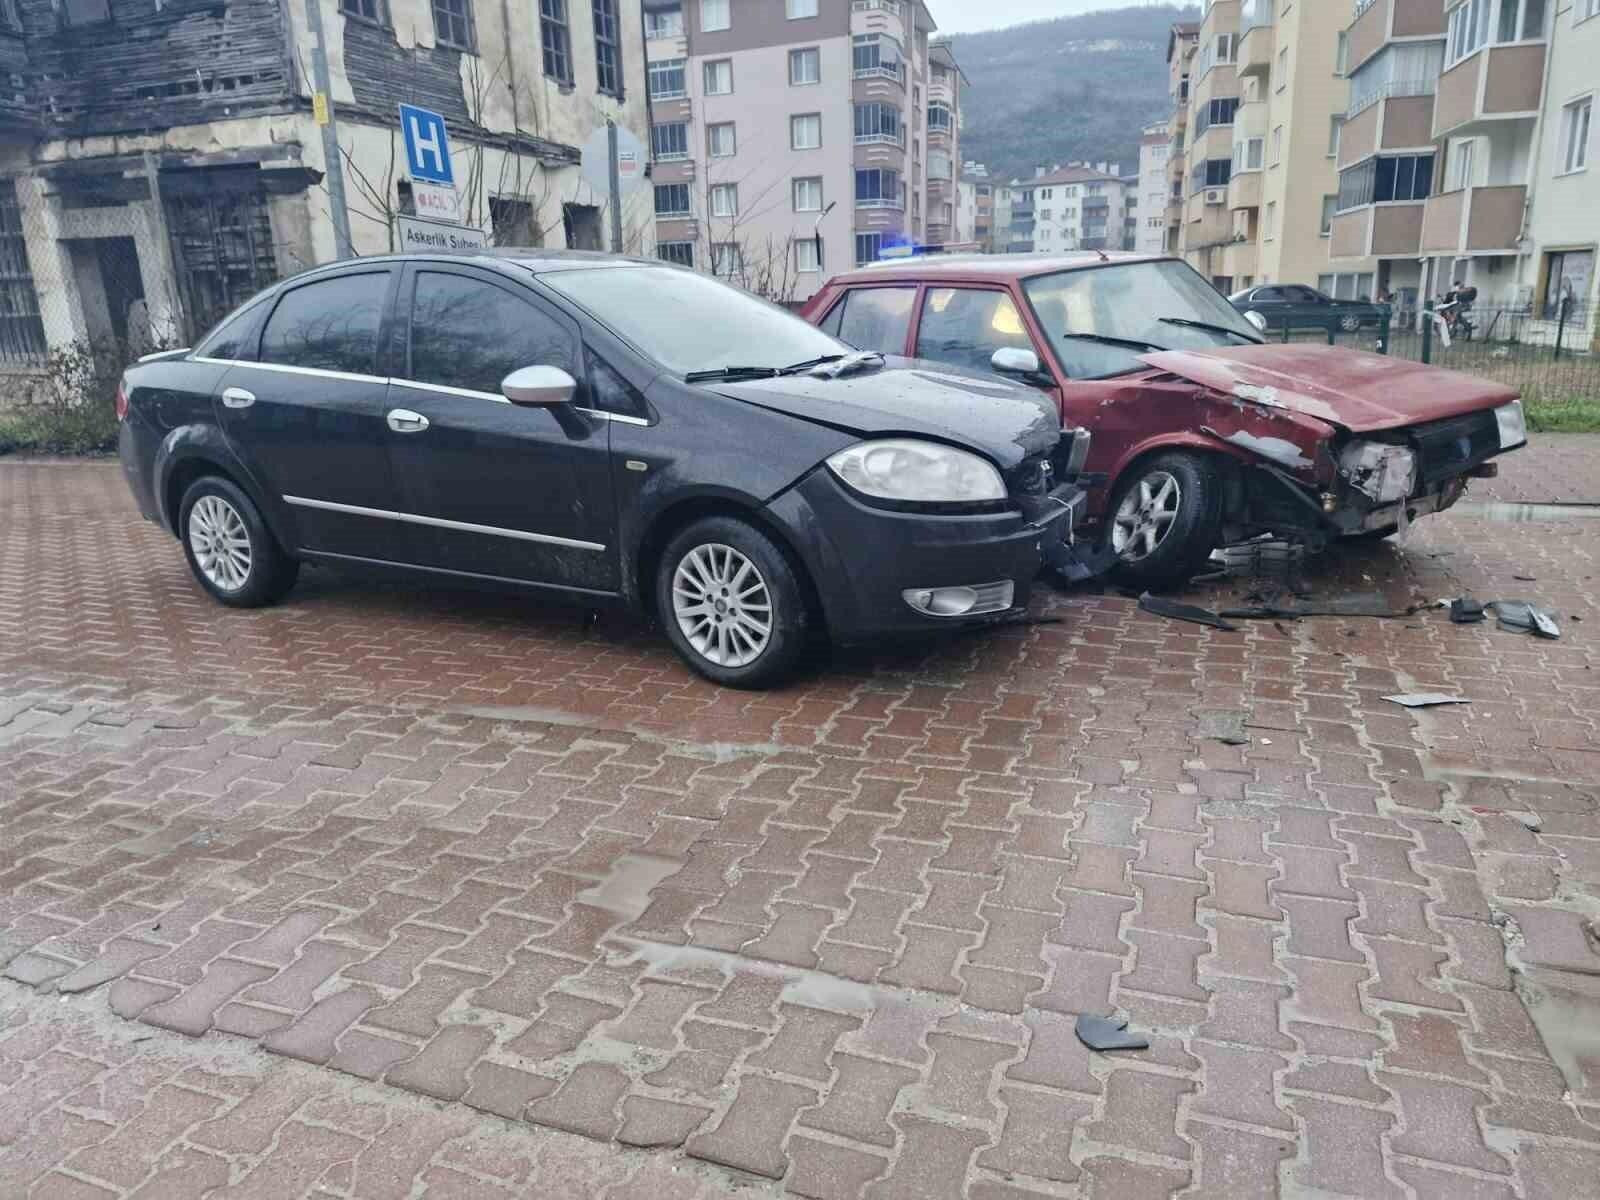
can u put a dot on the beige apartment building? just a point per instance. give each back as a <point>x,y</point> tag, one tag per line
<point>1469,152</point>
<point>1259,96</point>
<point>792,139</point>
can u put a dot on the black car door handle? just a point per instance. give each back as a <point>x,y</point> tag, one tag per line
<point>403,420</point>
<point>237,397</point>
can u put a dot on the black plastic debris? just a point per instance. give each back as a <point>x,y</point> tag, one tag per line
<point>1107,1033</point>
<point>1355,604</point>
<point>1426,699</point>
<point>1163,607</point>
<point>1464,610</point>
<point>1518,616</point>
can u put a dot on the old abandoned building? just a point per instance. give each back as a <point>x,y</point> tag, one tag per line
<point>160,160</point>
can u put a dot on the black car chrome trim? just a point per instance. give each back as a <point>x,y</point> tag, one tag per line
<point>440,523</point>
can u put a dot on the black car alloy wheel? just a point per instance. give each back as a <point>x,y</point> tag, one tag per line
<point>230,549</point>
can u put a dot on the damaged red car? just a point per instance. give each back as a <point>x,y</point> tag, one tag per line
<point>1204,434</point>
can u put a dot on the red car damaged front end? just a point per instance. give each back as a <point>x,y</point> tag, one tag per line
<point>1340,442</point>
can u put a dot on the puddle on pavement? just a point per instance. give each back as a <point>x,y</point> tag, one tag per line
<point>1501,510</point>
<point>539,715</point>
<point>626,889</point>
<point>1565,1009</point>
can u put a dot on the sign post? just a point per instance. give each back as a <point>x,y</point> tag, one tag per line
<point>428,162</point>
<point>613,165</point>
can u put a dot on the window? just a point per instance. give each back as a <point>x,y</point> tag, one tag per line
<point>940,116</point>
<point>719,77</point>
<point>1406,177</point>
<point>670,142</point>
<point>1217,112</point>
<point>797,10</point>
<point>1459,173</point>
<point>666,79</point>
<point>555,38</point>
<point>727,259</point>
<point>805,66</point>
<point>877,54</point>
<point>725,200</point>
<point>607,48</point>
<point>878,187</point>
<point>366,10</point>
<point>1044,214</point>
<point>513,222</point>
<point>722,140</point>
<point>1246,157</point>
<point>1277,145</point>
<point>1212,173</point>
<point>1576,121</point>
<point>1335,129</point>
<point>466,333</point>
<point>452,24</point>
<point>805,131</point>
<point>1469,28</point>
<point>808,194</point>
<point>1567,278</point>
<point>77,13</point>
<point>877,122</point>
<point>714,15</point>
<point>331,325</point>
<point>868,247</point>
<point>1341,55</point>
<point>672,199</point>
<point>662,23</point>
<point>21,329</point>
<point>1330,205</point>
<point>1520,20</point>
<point>681,253</point>
<point>806,254</point>
<point>875,318</point>
<point>965,326</point>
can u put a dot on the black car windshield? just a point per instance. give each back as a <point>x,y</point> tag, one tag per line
<point>1149,302</point>
<point>690,322</point>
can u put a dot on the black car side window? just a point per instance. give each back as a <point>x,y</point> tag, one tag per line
<point>466,333</point>
<point>877,318</point>
<point>331,325</point>
<point>1267,296</point>
<point>232,338</point>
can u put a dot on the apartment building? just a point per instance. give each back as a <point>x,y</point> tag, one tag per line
<point>161,163</point>
<point>792,139</point>
<point>1182,45</point>
<point>975,208</point>
<point>1266,97</point>
<point>1150,217</point>
<point>1469,150</point>
<point>1078,207</point>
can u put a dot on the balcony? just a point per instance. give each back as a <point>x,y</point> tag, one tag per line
<point>1393,124</point>
<point>1480,220</point>
<point>1240,258</point>
<point>1244,191</point>
<point>1497,83</point>
<point>1259,39</point>
<point>1174,212</point>
<point>1380,21</point>
<point>1377,230</point>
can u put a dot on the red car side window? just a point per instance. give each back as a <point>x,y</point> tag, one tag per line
<point>873,318</point>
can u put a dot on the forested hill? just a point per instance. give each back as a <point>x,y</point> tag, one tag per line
<point>1071,89</point>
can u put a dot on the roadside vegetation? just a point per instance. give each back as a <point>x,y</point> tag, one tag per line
<point>67,407</point>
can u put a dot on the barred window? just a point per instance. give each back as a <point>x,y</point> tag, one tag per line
<point>555,38</point>
<point>452,24</point>
<point>608,48</point>
<point>21,330</point>
<point>666,79</point>
<point>681,253</point>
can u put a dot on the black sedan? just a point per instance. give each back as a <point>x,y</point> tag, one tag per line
<point>1294,306</point>
<point>606,428</point>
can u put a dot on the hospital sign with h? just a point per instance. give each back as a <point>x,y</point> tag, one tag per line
<point>427,146</point>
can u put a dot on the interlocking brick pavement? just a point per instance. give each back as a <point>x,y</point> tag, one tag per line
<point>501,878</point>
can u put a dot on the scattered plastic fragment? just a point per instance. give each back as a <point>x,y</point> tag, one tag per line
<point>1183,612</point>
<point>1427,699</point>
<point>1107,1033</point>
<point>1464,610</point>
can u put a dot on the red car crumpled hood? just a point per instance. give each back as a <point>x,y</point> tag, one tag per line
<point>1357,391</point>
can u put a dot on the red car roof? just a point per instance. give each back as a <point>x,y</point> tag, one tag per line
<point>997,268</point>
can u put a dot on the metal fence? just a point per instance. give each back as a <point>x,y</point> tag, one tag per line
<point>1552,359</point>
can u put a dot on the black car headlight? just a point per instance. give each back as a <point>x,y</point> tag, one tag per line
<point>908,471</point>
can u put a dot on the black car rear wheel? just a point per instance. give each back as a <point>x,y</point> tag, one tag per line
<point>230,549</point>
<point>1164,519</point>
<point>731,603</point>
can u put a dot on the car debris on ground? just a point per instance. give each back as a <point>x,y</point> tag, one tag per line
<point>1427,699</point>
<point>1108,1033</point>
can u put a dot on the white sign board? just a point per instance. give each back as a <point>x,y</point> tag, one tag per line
<point>631,160</point>
<point>418,235</point>
<point>435,203</point>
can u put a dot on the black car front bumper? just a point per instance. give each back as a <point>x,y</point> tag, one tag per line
<point>864,559</point>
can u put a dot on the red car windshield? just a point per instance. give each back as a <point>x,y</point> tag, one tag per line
<point>1163,304</point>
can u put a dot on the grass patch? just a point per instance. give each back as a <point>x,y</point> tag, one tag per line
<point>1557,413</point>
<point>45,429</point>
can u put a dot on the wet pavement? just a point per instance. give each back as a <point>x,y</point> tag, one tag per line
<point>385,867</point>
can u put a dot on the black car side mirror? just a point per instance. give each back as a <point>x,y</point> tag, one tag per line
<point>539,387</point>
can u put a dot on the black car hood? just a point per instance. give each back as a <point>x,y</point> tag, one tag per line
<point>1006,422</point>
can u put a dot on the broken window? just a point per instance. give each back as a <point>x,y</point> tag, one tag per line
<point>607,48</point>
<point>556,39</point>
<point>366,10</point>
<point>452,24</point>
<point>513,222</point>
<point>85,12</point>
<point>582,222</point>
<point>221,246</point>
<point>21,330</point>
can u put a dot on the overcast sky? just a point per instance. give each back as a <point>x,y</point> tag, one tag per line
<point>969,16</point>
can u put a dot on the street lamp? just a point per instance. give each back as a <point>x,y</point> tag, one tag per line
<point>816,231</point>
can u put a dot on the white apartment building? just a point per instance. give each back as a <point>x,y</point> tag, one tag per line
<point>1150,222</point>
<point>792,139</point>
<point>1077,207</point>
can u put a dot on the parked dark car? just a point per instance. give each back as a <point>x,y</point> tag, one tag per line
<point>1202,436</point>
<point>1299,307</point>
<point>611,429</point>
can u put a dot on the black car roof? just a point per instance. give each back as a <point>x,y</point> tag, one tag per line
<point>534,259</point>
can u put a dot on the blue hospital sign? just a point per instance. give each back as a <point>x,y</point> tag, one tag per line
<point>427,146</point>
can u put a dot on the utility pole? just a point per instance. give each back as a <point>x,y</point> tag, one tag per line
<point>616,186</point>
<point>322,109</point>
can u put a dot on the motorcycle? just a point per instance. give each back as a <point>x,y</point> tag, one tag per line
<point>1453,312</point>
